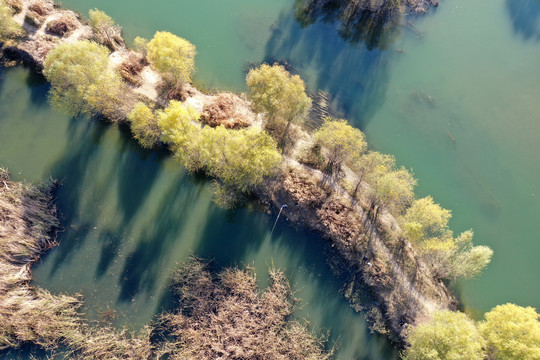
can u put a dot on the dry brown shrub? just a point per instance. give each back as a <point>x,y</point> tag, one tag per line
<point>340,220</point>
<point>226,317</point>
<point>131,68</point>
<point>16,5</point>
<point>226,109</point>
<point>304,189</point>
<point>40,8</point>
<point>62,26</point>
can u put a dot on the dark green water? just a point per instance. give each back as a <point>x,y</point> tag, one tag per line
<point>458,103</point>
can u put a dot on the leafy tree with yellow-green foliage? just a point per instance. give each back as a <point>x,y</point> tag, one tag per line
<point>512,333</point>
<point>9,28</point>
<point>344,144</point>
<point>426,224</point>
<point>447,336</point>
<point>106,31</point>
<point>279,95</point>
<point>393,190</point>
<point>144,125</point>
<point>173,57</point>
<point>82,81</point>
<point>240,159</point>
<point>509,332</point>
<point>371,166</point>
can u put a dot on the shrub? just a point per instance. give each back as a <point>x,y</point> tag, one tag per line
<point>280,95</point>
<point>144,125</point>
<point>62,26</point>
<point>448,335</point>
<point>106,32</point>
<point>9,29</point>
<point>83,83</point>
<point>131,68</point>
<point>173,57</point>
<point>226,109</point>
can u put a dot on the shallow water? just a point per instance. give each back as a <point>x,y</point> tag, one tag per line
<point>454,96</point>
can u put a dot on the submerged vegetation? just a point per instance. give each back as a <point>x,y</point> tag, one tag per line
<point>219,316</point>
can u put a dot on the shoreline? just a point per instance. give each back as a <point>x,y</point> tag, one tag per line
<point>404,289</point>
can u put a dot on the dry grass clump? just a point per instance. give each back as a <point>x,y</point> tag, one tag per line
<point>63,25</point>
<point>226,109</point>
<point>36,13</point>
<point>340,220</point>
<point>16,5</point>
<point>304,189</point>
<point>131,68</point>
<point>226,317</point>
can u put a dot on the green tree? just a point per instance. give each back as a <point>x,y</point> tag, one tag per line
<point>344,144</point>
<point>82,81</point>
<point>9,28</point>
<point>447,336</point>
<point>370,167</point>
<point>178,125</point>
<point>105,30</point>
<point>393,190</point>
<point>426,224</point>
<point>425,220</point>
<point>173,57</point>
<point>144,125</point>
<point>512,333</point>
<point>280,95</point>
<point>241,159</point>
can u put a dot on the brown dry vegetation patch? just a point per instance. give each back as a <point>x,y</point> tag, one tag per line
<point>226,317</point>
<point>131,68</point>
<point>304,189</point>
<point>226,109</point>
<point>16,5</point>
<point>63,25</point>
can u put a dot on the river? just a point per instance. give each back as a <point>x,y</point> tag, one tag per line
<point>453,95</point>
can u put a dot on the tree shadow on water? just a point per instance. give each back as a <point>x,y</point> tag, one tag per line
<point>144,264</point>
<point>72,169</point>
<point>355,77</point>
<point>357,21</point>
<point>525,16</point>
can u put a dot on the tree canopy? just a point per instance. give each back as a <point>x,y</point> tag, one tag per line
<point>447,336</point>
<point>426,224</point>
<point>238,158</point>
<point>105,30</point>
<point>144,125</point>
<point>512,333</point>
<point>344,143</point>
<point>280,95</point>
<point>82,81</point>
<point>172,56</point>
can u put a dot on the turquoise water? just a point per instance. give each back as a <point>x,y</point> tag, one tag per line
<point>454,97</point>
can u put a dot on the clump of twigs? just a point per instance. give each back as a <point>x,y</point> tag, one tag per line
<point>16,5</point>
<point>131,68</point>
<point>63,25</point>
<point>226,109</point>
<point>225,316</point>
